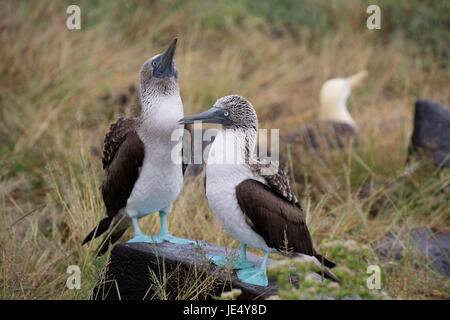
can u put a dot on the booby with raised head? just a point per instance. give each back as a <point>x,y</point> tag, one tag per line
<point>252,200</point>
<point>336,126</point>
<point>140,175</point>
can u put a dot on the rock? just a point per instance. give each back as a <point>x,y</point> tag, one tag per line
<point>435,244</point>
<point>132,265</point>
<point>431,134</point>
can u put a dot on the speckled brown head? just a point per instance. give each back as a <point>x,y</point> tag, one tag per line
<point>159,74</point>
<point>233,111</point>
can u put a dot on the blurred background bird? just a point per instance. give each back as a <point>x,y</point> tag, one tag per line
<point>335,127</point>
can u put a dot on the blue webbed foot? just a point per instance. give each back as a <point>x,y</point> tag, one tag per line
<point>141,238</point>
<point>161,237</point>
<point>164,234</point>
<point>255,275</point>
<point>243,264</point>
<point>229,261</point>
<point>158,238</point>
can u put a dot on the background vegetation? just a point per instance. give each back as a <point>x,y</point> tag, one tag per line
<point>61,89</point>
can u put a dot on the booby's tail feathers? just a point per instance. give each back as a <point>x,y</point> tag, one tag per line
<point>114,229</point>
<point>109,238</point>
<point>98,230</point>
<point>327,263</point>
<point>322,263</point>
<point>329,275</point>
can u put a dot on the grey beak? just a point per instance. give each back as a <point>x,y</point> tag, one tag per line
<point>167,56</point>
<point>213,115</point>
<point>165,67</point>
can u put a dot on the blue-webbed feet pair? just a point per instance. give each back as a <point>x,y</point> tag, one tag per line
<point>162,236</point>
<point>247,273</point>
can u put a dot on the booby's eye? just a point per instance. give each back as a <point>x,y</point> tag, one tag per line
<point>226,113</point>
<point>154,63</point>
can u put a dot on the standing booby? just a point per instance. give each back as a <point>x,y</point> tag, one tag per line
<point>140,175</point>
<point>252,200</point>
<point>335,126</point>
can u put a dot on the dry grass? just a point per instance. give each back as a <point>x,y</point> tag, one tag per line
<point>53,121</point>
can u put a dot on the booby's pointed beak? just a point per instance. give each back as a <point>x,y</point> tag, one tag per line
<point>213,115</point>
<point>165,66</point>
<point>356,79</point>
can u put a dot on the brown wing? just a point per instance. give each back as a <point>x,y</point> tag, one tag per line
<point>207,138</point>
<point>123,154</point>
<point>122,172</point>
<point>186,150</point>
<point>343,133</point>
<point>280,222</point>
<point>116,135</point>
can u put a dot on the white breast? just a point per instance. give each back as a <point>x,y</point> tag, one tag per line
<point>221,181</point>
<point>160,179</point>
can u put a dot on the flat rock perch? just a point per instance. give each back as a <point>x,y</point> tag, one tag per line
<point>143,271</point>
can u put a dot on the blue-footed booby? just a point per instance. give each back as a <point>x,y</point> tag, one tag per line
<point>336,126</point>
<point>140,175</point>
<point>252,200</point>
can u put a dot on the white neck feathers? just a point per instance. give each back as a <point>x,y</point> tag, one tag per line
<point>160,115</point>
<point>232,146</point>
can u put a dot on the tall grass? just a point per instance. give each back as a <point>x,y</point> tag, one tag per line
<point>55,110</point>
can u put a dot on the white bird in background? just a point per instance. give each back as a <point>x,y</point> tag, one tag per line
<point>336,126</point>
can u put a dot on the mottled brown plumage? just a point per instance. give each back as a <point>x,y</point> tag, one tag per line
<point>278,182</point>
<point>123,154</point>
<point>116,135</point>
<point>122,170</point>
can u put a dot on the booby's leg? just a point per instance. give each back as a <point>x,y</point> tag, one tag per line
<point>138,235</point>
<point>242,263</point>
<point>255,275</point>
<point>164,234</point>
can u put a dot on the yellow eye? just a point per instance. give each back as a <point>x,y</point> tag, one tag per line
<point>226,113</point>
